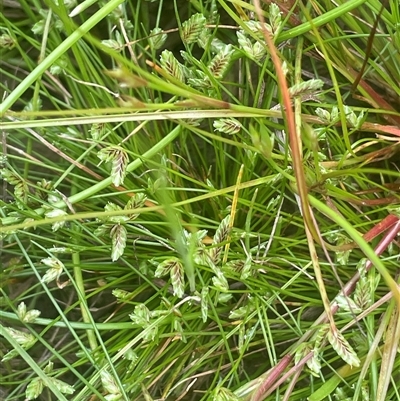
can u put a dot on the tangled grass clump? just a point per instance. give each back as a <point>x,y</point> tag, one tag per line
<point>200,200</point>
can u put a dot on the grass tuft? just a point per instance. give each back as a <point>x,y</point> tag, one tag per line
<point>200,200</point>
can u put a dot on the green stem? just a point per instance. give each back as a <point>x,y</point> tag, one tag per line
<point>57,53</point>
<point>93,215</point>
<point>108,181</point>
<point>319,21</point>
<point>80,287</point>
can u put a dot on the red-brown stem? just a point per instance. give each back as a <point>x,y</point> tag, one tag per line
<point>389,221</point>
<point>272,378</point>
<point>295,369</point>
<point>290,121</point>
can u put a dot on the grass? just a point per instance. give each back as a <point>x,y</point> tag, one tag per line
<point>188,212</point>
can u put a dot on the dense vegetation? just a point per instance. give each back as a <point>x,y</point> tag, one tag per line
<point>200,200</point>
